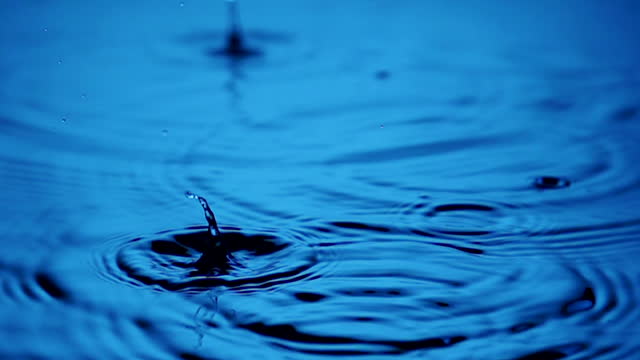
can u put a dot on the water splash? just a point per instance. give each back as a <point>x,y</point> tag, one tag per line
<point>235,46</point>
<point>208,213</point>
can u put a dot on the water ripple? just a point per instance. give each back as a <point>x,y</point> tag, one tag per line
<point>172,261</point>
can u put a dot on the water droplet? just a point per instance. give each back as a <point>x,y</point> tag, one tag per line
<point>83,96</point>
<point>165,132</point>
<point>181,4</point>
<point>59,61</point>
<point>381,126</point>
<point>64,119</point>
<point>45,30</point>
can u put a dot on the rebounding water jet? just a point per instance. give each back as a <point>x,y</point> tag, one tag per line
<point>217,250</point>
<point>214,231</point>
<point>215,254</point>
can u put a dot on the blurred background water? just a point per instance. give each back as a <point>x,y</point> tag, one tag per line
<point>415,179</point>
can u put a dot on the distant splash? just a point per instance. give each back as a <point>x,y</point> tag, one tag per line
<point>235,46</point>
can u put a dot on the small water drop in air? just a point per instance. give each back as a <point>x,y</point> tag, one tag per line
<point>181,4</point>
<point>64,119</point>
<point>165,132</point>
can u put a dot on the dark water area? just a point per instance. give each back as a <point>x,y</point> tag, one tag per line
<point>417,179</point>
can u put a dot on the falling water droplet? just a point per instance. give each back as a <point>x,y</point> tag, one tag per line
<point>83,96</point>
<point>59,61</point>
<point>64,119</point>
<point>165,132</point>
<point>381,126</point>
<point>181,4</point>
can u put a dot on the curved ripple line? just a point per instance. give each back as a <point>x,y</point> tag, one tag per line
<point>169,260</point>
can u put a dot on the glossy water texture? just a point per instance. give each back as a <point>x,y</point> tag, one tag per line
<point>390,180</point>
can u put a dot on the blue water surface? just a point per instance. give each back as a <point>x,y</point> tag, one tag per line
<point>391,179</point>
